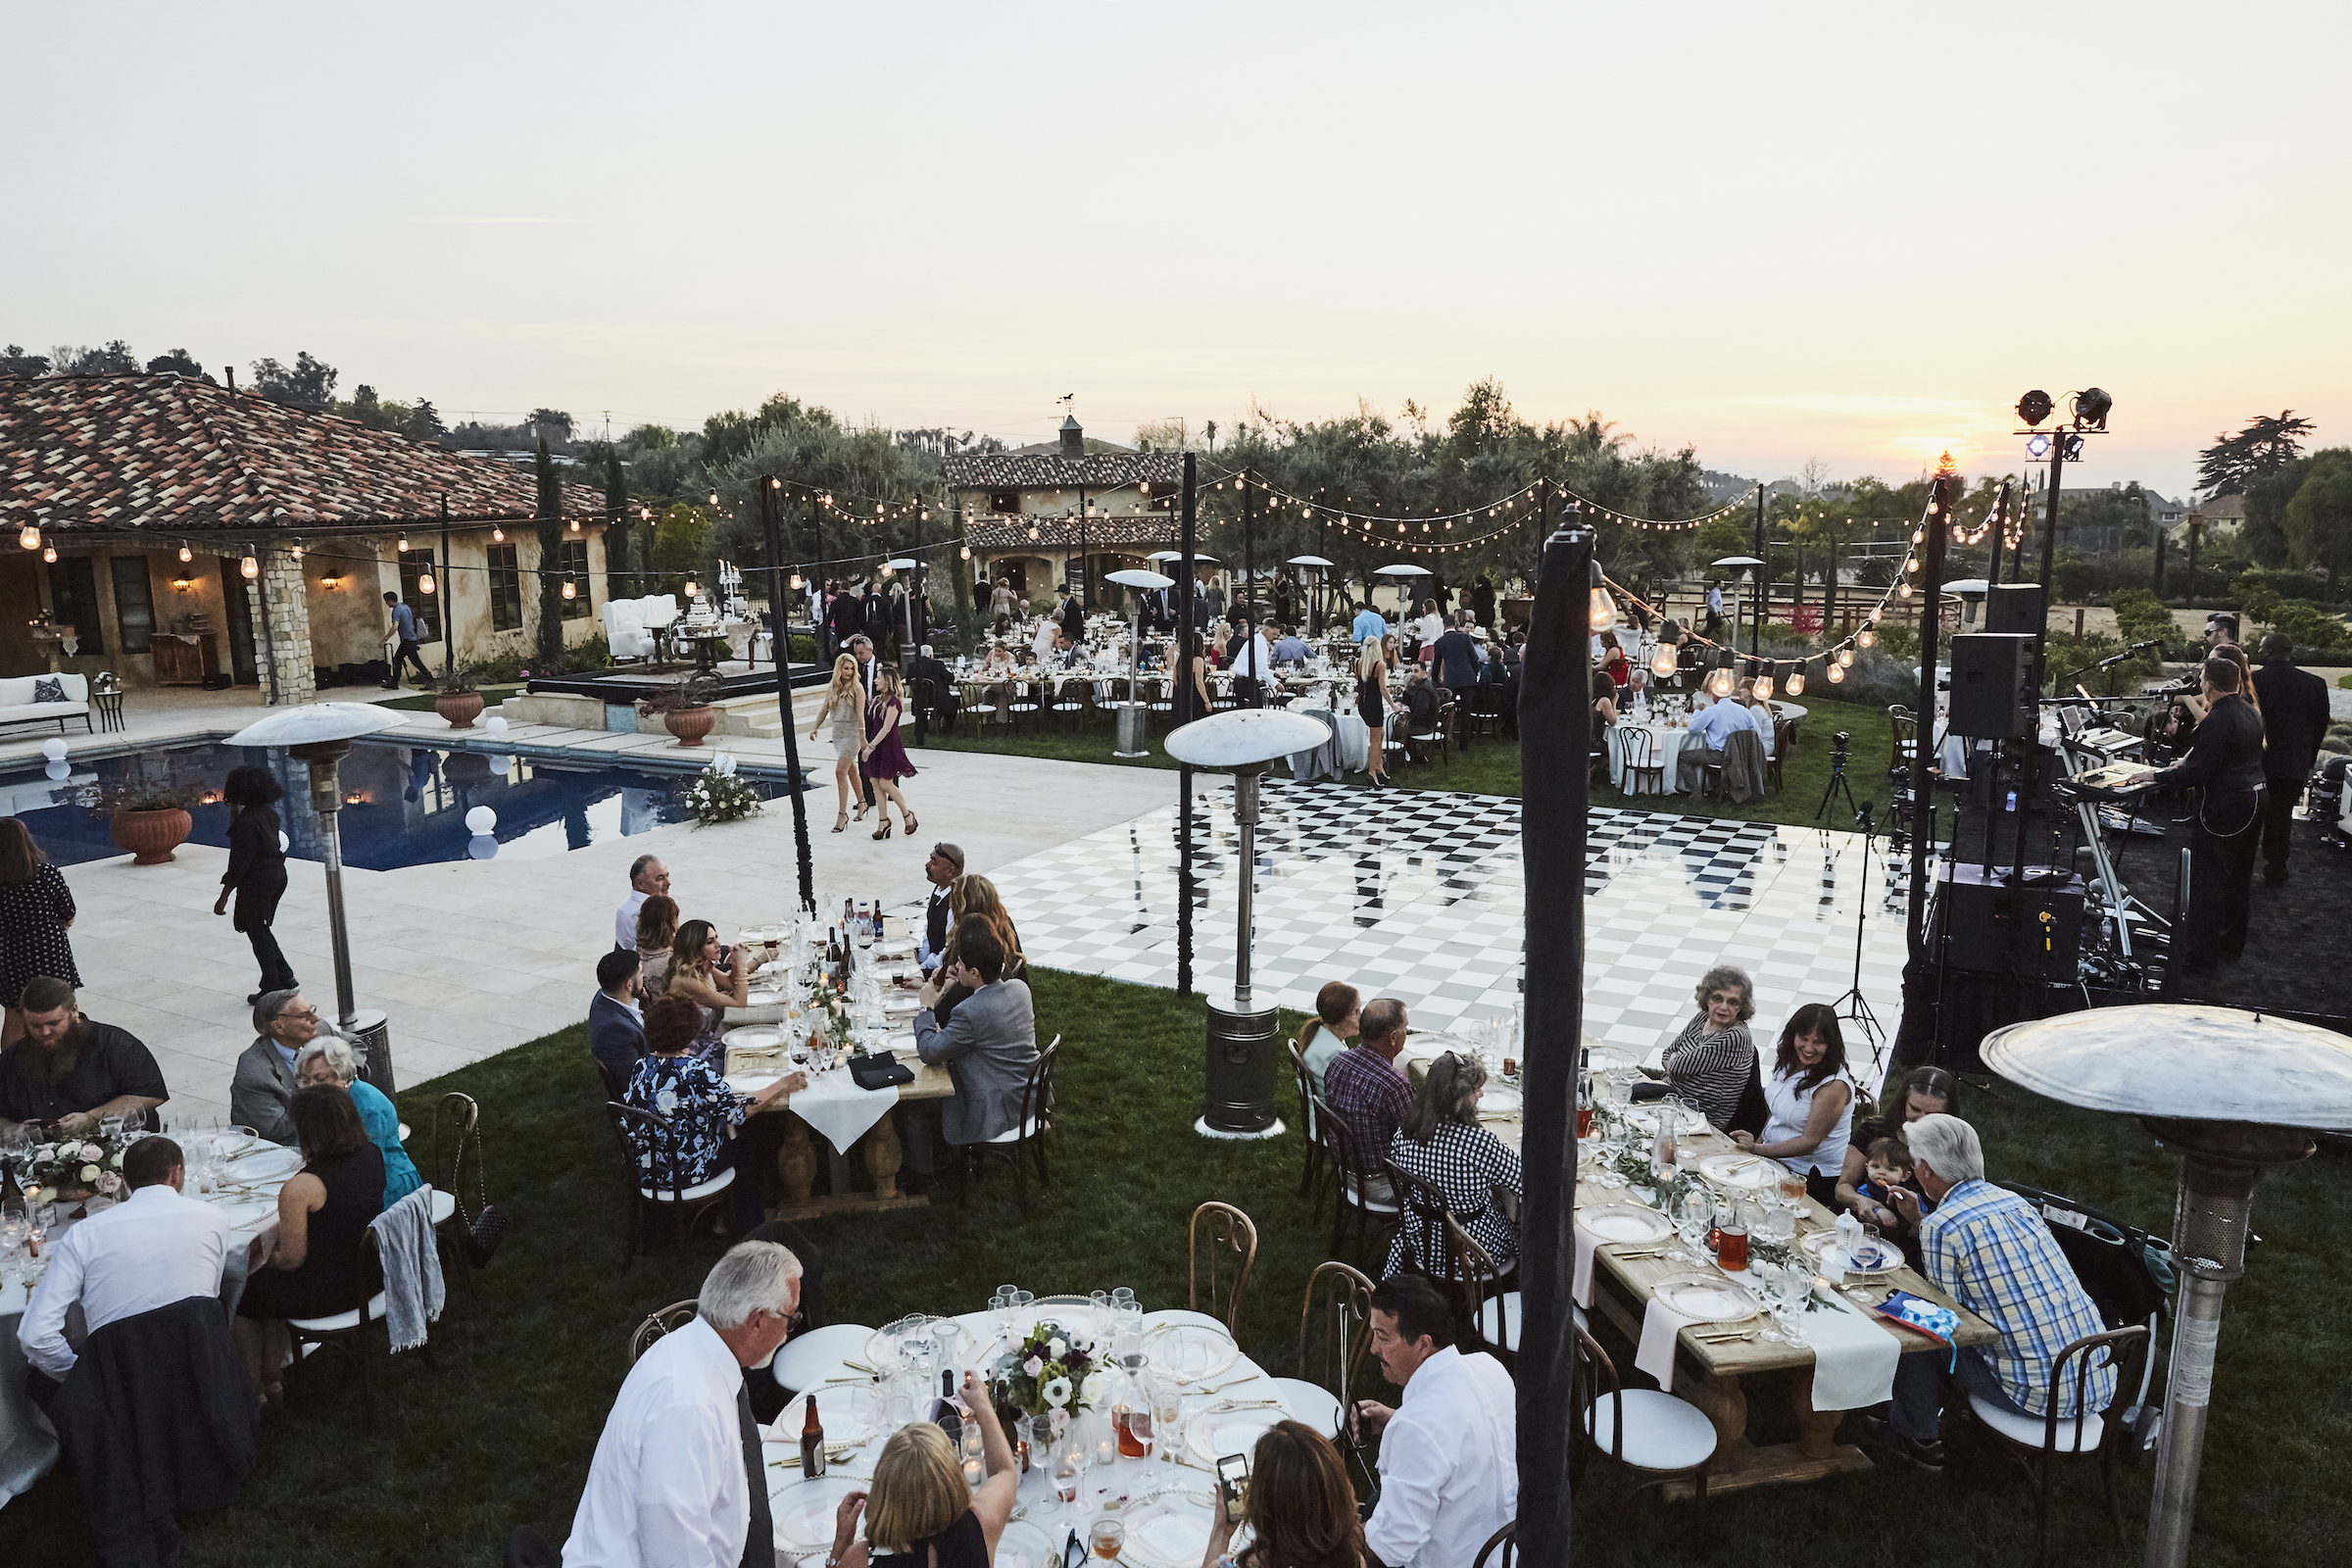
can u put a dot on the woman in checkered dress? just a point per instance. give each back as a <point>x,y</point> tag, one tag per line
<point>1441,1143</point>
<point>1708,1063</point>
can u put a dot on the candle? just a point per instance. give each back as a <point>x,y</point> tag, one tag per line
<point>1107,1451</point>
<point>973,1474</point>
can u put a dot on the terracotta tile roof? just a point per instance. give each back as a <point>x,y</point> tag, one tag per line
<point>1027,470</point>
<point>172,454</point>
<point>997,535</point>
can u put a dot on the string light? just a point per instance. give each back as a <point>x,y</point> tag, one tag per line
<point>424,582</point>
<point>403,544</point>
<point>569,590</point>
<point>498,536</point>
<point>49,553</point>
<point>29,537</point>
<point>1837,673</point>
<point>1604,609</point>
<point>185,554</point>
<point>251,568</point>
<point>1796,681</point>
<point>1664,664</point>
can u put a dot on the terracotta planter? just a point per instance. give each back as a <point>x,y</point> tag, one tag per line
<point>150,836</point>
<point>460,708</point>
<point>689,725</point>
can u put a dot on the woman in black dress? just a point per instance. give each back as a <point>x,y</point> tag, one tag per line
<point>1374,704</point>
<point>314,1270</point>
<point>920,1513</point>
<point>256,873</point>
<point>35,908</point>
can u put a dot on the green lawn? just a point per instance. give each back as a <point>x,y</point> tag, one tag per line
<point>503,1431</point>
<point>422,702</point>
<point>1492,767</point>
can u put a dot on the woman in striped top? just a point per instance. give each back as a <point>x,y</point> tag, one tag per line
<point>1709,1061</point>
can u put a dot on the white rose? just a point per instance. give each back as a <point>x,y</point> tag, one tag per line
<point>1056,1348</point>
<point>117,1161</point>
<point>1091,1391</point>
<point>92,1153</point>
<point>89,1173</point>
<point>45,1153</point>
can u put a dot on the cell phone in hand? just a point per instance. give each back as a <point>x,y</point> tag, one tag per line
<point>1233,1482</point>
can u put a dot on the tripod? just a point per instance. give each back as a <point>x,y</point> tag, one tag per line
<point>1853,1005</point>
<point>1837,745</point>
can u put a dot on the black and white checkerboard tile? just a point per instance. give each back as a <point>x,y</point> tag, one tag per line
<point>1420,895</point>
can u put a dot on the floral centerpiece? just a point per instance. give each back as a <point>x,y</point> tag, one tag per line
<point>830,1018</point>
<point>71,1168</point>
<point>1050,1373</point>
<point>719,794</point>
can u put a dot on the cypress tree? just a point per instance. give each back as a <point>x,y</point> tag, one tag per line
<point>550,523</point>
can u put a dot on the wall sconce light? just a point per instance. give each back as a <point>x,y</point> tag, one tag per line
<point>297,550</point>
<point>331,582</point>
<point>183,582</point>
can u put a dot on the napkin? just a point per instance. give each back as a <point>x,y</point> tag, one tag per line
<point>1586,1244</point>
<point>1661,1326</point>
<point>1853,1357</point>
<point>837,1108</point>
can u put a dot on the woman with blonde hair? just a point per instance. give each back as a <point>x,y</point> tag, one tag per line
<point>885,755</point>
<point>919,1513</point>
<point>844,705</point>
<point>707,974</point>
<point>1374,704</point>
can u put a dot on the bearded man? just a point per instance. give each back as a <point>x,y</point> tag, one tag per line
<point>70,1072</point>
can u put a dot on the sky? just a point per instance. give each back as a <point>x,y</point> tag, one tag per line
<point>1846,233</point>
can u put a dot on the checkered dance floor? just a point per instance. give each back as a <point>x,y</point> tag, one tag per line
<point>1419,895</point>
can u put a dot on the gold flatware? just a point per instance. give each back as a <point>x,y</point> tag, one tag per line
<point>862,1367</point>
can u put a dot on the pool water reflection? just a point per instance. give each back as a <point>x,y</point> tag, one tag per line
<point>403,804</point>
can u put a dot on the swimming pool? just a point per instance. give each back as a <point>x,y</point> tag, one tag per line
<point>403,804</point>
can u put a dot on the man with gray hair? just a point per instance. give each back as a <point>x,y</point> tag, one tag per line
<point>678,1480</point>
<point>1988,1250</point>
<point>648,876</point>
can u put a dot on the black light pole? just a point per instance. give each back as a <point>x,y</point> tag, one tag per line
<point>1555,714</point>
<point>1946,495</point>
<point>1180,710</point>
<point>1250,548</point>
<point>449,618</point>
<point>1755,626</point>
<point>772,521</point>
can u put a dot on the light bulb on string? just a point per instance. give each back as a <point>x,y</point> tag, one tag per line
<point>1836,674</point>
<point>1796,681</point>
<point>29,537</point>
<point>498,536</point>
<point>1664,663</point>
<point>49,553</point>
<point>251,568</point>
<point>1865,637</point>
<point>1604,609</point>
<point>1719,685</point>
<point>403,544</point>
<point>185,554</point>
<point>569,590</point>
<point>424,582</point>
<point>1763,686</point>
<point>1845,657</point>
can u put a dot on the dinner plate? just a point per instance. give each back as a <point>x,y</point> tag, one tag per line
<point>1190,1353</point>
<point>751,1082</point>
<point>1609,1058</point>
<point>1026,1546</point>
<point>753,1037</point>
<point>1166,1533</point>
<point>803,1510</point>
<point>1436,1045</point>
<point>1498,1101</point>
<point>1751,1171</point>
<point>759,997</point>
<point>848,1411</point>
<point>1707,1297</point>
<point>1210,1436</point>
<point>269,1164</point>
<point>1875,1258</point>
<point>250,1214</point>
<point>893,947</point>
<point>227,1144</point>
<point>1626,1222</point>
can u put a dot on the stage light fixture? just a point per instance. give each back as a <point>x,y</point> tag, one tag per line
<point>2038,446</point>
<point>2034,406</point>
<point>2073,449</point>
<point>2090,408</point>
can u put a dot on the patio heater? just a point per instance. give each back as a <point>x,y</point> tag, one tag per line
<point>2233,1092</point>
<point>1752,566</point>
<point>1400,576</point>
<point>1318,568</point>
<point>1131,742</point>
<point>1243,1039</point>
<point>319,735</point>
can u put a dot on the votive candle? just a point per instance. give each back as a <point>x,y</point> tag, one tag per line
<point>973,1474</point>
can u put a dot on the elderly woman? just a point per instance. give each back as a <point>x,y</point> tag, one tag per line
<point>1708,1063</point>
<point>920,1514</point>
<point>329,1061</point>
<point>703,1112</point>
<point>1440,1142</point>
<point>1810,1100</point>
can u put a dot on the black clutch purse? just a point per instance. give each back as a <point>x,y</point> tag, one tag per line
<point>879,1071</point>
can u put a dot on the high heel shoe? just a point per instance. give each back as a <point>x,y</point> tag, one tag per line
<point>883,831</point>
<point>912,826</point>
<point>841,821</point>
<point>859,815</point>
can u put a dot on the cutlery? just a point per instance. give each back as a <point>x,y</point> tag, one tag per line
<point>862,1367</point>
<point>1223,1406</point>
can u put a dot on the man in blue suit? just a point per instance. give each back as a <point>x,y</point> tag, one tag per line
<point>615,1026</point>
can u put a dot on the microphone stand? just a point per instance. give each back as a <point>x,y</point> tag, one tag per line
<point>1860,1012</point>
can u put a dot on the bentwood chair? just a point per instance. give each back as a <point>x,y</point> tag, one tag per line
<point>1652,1435</point>
<point>2035,1443</point>
<point>672,1318</point>
<point>456,1150</point>
<point>1353,1205</point>
<point>1023,1144</point>
<point>1334,1327</point>
<point>1491,1310</point>
<point>1310,1110</point>
<point>1645,772</point>
<point>350,1330</point>
<point>1069,699</point>
<point>657,1186</point>
<point>1784,736</point>
<point>1502,1550</point>
<point>1219,1272</point>
<point>1025,700</point>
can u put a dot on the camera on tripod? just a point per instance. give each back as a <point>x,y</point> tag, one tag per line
<point>1841,739</point>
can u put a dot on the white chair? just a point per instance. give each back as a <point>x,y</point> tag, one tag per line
<point>1651,1435</point>
<point>2034,1440</point>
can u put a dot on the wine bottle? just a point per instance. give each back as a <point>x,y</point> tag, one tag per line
<point>947,1411</point>
<point>813,1444</point>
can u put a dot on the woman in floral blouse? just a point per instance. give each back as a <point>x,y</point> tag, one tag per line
<point>703,1113</point>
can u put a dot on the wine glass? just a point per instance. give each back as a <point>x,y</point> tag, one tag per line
<point>1690,1223</point>
<point>135,1121</point>
<point>1167,1425</point>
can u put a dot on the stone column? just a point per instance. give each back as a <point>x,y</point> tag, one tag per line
<point>281,632</point>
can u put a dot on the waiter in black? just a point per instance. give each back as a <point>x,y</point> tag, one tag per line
<point>2224,758</point>
<point>2294,721</point>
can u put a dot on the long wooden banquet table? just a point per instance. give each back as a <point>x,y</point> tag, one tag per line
<point>1710,1371</point>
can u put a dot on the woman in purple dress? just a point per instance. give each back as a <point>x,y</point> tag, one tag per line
<point>885,757</point>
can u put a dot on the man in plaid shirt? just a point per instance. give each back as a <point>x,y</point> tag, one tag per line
<point>1363,1085</point>
<point>1988,1250</point>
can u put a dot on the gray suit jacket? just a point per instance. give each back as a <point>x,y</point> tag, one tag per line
<point>988,1048</point>
<point>258,1094</point>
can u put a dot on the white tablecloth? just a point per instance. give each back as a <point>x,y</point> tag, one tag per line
<point>1666,751</point>
<point>1187,1492</point>
<point>833,1104</point>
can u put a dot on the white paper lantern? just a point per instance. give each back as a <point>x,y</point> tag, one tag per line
<point>54,749</point>
<point>482,847</point>
<point>481,819</point>
<point>495,724</point>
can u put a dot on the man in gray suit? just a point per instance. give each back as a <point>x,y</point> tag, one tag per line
<point>265,1075</point>
<point>988,1047</point>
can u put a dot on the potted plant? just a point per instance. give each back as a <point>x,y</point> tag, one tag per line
<point>685,708</point>
<point>150,820</point>
<point>455,699</point>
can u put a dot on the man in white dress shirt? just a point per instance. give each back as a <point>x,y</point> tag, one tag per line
<point>151,1250</point>
<point>1448,1452</point>
<point>678,1480</point>
<point>648,876</point>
